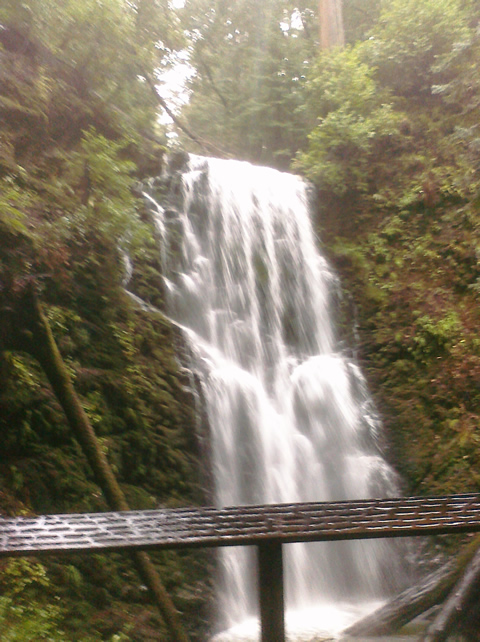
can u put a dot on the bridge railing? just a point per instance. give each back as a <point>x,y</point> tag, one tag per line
<point>266,527</point>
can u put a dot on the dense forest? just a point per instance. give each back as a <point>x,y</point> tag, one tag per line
<point>385,127</point>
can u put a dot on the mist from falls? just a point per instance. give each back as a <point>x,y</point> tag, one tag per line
<point>290,417</point>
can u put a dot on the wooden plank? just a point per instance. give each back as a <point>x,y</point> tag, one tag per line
<point>240,525</point>
<point>270,576</point>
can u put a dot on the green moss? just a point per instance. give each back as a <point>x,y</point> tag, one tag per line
<point>418,326</point>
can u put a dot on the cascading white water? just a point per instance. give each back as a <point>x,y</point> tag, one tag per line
<point>290,418</point>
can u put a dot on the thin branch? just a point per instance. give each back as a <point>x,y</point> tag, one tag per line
<point>204,145</point>
<point>209,75</point>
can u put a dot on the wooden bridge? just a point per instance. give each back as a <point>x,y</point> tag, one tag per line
<point>266,527</point>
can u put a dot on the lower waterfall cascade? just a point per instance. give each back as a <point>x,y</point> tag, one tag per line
<point>288,409</point>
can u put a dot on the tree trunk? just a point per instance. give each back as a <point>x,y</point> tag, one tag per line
<point>332,33</point>
<point>414,601</point>
<point>25,328</point>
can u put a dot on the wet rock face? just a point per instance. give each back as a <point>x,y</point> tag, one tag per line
<point>177,162</point>
<point>166,188</point>
<point>149,282</point>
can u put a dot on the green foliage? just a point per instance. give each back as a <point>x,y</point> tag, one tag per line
<point>75,113</point>
<point>419,320</point>
<point>359,16</point>
<point>107,42</point>
<point>105,181</point>
<point>21,622</point>
<point>29,610</point>
<point>80,64</point>
<point>109,175</point>
<point>13,203</point>
<point>21,574</point>
<point>435,337</point>
<point>21,616</point>
<point>411,37</point>
<point>355,120</point>
<point>383,126</point>
<point>127,376</point>
<point>250,63</point>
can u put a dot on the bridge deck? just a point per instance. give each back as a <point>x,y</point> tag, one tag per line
<point>199,527</point>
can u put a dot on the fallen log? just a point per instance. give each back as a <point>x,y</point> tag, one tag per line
<point>428,592</point>
<point>464,595</point>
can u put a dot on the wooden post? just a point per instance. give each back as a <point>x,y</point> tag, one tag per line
<point>270,567</point>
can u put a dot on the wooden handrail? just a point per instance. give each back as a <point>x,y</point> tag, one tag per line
<point>240,525</point>
<point>267,527</point>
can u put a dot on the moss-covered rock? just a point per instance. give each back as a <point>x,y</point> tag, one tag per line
<point>413,274</point>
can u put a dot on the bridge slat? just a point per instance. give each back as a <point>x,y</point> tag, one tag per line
<point>195,527</point>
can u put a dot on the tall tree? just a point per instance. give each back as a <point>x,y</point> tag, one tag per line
<point>332,32</point>
<point>250,63</point>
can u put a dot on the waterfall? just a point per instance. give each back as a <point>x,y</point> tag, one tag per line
<point>290,417</point>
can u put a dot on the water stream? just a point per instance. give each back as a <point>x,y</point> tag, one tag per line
<point>290,417</point>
